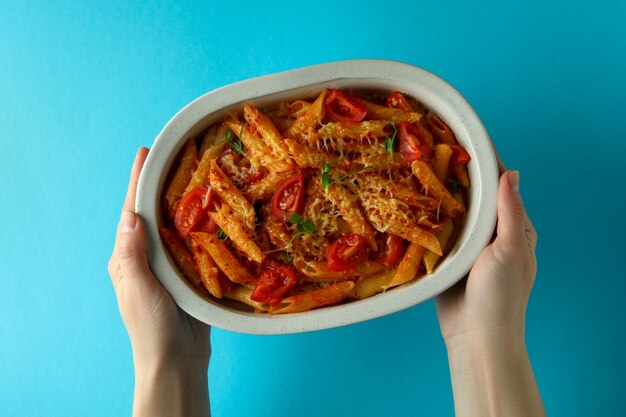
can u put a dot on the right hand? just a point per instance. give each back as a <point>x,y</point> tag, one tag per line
<point>492,300</point>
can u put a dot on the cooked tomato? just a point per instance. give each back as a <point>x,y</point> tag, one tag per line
<point>254,176</point>
<point>392,249</point>
<point>397,101</point>
<point>225,283</point>
<point>342,107</point>
<point>207,225</point>
<point>346,252</point>
<point>287,198</point>
<point>459,155</point>
<point>190,210</point>
<point>274,282</point>
<point>414,142</point>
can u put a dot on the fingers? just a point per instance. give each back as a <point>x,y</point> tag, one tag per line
<point>511,210</point>
<point>130,248</point>
<point>129,242</point>
<point>140,158</point>
<point>513,223</point>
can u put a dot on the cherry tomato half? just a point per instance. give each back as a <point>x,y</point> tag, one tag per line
<point>342,107</point>
<point>252,177</point>
<point>225,283</point>
<point>287,198</point>
<point>414,142</point>
<point>190,210</point>
<point>392,249</point>
<point>459,155</point>
<point>275,281</point>
<point>397,101</point>
<point>347,252</point>
<point>207,225</point>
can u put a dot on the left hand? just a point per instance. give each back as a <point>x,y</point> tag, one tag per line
<point>159,330</point>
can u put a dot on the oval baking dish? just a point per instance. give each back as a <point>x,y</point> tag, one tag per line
<point>363,75</point>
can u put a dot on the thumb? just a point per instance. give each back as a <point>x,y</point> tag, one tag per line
<point>511,212</point>
<point>131,248</point>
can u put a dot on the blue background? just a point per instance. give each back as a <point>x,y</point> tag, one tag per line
<point>82,85</point>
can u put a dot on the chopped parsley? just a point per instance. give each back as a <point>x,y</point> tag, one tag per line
<point>304,226</point>
<point>236,145</point>
<point>455,185</point>
<point>221,234</point>
<point>327,180</point>
<point>391,143</point>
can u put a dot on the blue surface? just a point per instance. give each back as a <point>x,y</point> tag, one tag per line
<point>83,85</point>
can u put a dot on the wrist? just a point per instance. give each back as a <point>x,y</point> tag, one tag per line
<point>170,387</point>
<point>491,375</point>
<point>152,364</point>
<point>152,356</point>
<point>485,339</point>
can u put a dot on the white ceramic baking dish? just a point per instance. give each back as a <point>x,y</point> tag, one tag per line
<point>386,76</point>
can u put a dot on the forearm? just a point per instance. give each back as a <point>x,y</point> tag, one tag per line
<point>167,389</point>
<point>492,376</point>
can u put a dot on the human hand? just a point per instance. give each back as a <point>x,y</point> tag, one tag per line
<point>492,300</point>
<point>159,331</point>
<point>482,319</point>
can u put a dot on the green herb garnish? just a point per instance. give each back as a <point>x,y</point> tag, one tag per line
<point>307,226</point>
<point>327,180</point>
<point>391,143</point>
<point>236,145</point>
<point>304,226</point>
<point>295,218</point>
<point>221,234</point>
<point>455,185</point>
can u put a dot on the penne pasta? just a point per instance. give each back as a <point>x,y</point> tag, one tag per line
<point>265,187</point>
<point>320,272</point>
<point>176,247</point>
<point>440,130</point>
<point>305,126</point>
<point>417,235</point>
<point>232,195</point>
<point>261,153</point>
<point>211,138</point>
<point>207,270</point>
<point>242,294</point>
<point>181,177</point>
<point>436,189</point>
<point>408,267</point>
<point>431,258</point>
<point>380,162</point>
<point>443,153</point>
<point>374,111</point>
<point>269,134</point>
<point>224,259</point>
<point>293,109</point>
<point>460,171</point>
<point>359,131</point>
<point>372,285</point>
<point>306,156</point>
<point>314,299</point>
<point>403,190</point>
<point>351,212</point>
<point>241,236</point>
<point>304,204</point>
<point>200,177</point>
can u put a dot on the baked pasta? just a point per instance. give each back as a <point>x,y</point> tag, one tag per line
<point>315,202</point>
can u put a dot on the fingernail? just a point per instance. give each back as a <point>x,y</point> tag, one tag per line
<point>127,222</point>
<point>514,180</point>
